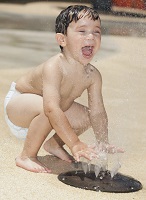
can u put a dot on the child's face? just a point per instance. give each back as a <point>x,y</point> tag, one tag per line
<point>83,39</point>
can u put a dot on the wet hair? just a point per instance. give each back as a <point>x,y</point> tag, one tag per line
<point>73,13</point>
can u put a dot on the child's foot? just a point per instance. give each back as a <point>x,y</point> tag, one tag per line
<point>57,151</point>
<point>31,164</point>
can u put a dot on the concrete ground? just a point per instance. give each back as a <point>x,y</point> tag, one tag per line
<point>122,63</point>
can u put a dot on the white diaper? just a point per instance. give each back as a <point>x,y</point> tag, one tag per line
<point>19,132</point>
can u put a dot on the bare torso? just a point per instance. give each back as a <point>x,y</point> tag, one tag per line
<point>73,83</point>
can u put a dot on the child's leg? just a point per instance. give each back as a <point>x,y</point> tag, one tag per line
<point>78,116</point>
<point>26,110</point>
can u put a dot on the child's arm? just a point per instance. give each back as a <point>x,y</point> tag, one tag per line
<point>52,79</point>
<point>98,116</point>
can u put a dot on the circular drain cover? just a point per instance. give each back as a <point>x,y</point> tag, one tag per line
<point>104,183</point>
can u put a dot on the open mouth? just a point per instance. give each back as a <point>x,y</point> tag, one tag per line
<point>87,51</point>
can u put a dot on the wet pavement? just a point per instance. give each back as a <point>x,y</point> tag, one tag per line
<point>40,16</point>
<point>21,48</point>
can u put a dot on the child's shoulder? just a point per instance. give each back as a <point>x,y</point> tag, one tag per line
<point>53,66</point>
<point>52,63</point>
<point>95,78</point>
<point>53,60</point>
<point>94,71</point>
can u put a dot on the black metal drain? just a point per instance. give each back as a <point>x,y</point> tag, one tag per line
<point>104,183</point>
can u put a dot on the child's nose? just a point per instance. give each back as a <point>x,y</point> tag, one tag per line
<point>90,36</point>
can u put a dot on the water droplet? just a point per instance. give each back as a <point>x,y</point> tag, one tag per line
<point>85,167</point>
<point>115,169</point>
<point>96,170</point>
<point>94,187</point>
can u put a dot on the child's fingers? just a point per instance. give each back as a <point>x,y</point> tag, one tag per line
<point>88,154</point>
<point>120,150</point>
<point>82,154</point>
<point>92,146</point>
<point>76,157</point>
<point>112,149</point>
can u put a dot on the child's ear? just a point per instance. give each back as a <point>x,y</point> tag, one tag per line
<point>61,39</point>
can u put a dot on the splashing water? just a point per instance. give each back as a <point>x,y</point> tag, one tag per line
<point>84,164</point>
<point>114,164</point>
<point>101,162</point>
<point>97,170</point>
<point>97,164</point>
<point>115,169</point>
<point>85,167</point>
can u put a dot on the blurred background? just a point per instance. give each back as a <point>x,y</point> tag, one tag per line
<point>100,4</point>
<point>24,14</point>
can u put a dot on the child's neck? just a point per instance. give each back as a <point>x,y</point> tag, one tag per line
<point>74,63</point>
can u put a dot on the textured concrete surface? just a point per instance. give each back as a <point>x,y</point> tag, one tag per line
<point>122,63</point>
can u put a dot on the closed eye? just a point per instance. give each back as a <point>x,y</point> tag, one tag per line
<point>82,31</point>
<point>97,32</point>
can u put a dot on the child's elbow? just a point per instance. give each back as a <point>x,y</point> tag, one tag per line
<point>50,108</point>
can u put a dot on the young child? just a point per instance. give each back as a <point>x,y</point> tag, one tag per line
<point>44,98</point>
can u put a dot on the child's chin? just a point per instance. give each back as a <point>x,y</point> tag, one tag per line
<point>85,63</point>
<point>87,59</point>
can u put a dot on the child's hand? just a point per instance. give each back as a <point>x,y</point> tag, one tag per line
<point>81,149</point>
<point>108,148</point>
<point>112,149</point>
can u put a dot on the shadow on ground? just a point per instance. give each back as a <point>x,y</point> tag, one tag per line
<point>57,165</point>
